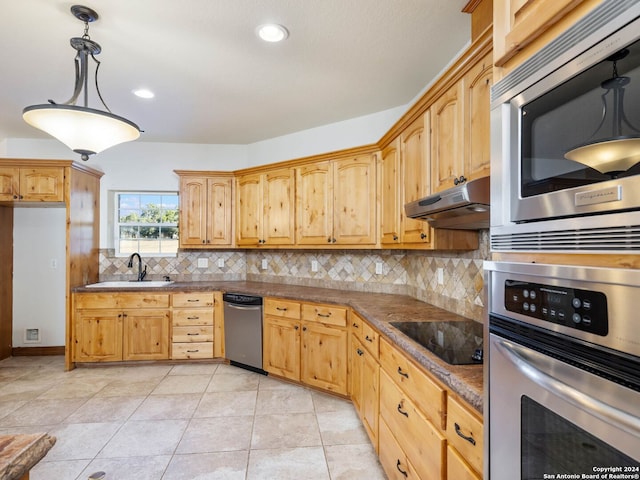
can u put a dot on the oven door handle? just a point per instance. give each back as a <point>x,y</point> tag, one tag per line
<point>531,364</point>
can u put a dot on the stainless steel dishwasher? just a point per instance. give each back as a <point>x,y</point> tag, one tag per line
<point>243,330</point>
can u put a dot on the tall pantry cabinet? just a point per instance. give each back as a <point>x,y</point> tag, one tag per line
<point>26,183</point>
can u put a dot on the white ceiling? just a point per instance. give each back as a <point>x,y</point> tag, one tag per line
<point>215,81</point>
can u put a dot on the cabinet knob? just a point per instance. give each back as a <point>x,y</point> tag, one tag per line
<point>459,180</point>
<point>423,235</point>
<point>359,352</point>
<point>395,237</point>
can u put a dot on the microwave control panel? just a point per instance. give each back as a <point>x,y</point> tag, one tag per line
<point>583,310</point>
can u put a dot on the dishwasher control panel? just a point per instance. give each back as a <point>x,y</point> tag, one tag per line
<point>241,299</point>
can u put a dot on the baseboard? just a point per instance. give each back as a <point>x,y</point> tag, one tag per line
<point>36,351</point>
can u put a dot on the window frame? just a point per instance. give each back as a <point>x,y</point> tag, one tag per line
<point>115,218</point>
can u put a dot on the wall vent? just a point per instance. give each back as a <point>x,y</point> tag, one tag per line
<point>616,239</point>
<point>31,335</point>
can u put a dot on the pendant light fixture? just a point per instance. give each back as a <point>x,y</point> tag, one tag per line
<point>84,130</point>
<point>615,145</point>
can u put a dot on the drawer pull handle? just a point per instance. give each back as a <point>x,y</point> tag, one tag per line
<point>355,325</point>
<point>400,372</point>
<point>193,300</point>
<point>403,412</point>
<point>323,315</point>
<point>193,318</point>
<point>193,334</point>
<point>359,352</point>
<point>282,309</point>
<point>368,339</point>
<point>193,351</point>
<point>403,472</point>
<point>469,439</point>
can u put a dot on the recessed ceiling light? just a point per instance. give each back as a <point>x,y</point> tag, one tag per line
<point>272,32</point>
<point>143,93</point>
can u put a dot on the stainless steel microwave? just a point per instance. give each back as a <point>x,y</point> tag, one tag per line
<point>565,140</point>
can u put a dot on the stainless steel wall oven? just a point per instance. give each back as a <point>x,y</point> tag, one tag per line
<point>566,140</point>
<point>563,382</point>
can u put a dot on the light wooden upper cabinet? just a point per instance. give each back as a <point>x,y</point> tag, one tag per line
<point>355,201</point>
<point>314,204</point>
<point>518,23</point>
<point>415,159</point>
<point>477,99</point>
<point>391,209</point>
<point>31,184</point>
<point>460,137</point>
<point>205,211</point>
<point>265,208</point>
<point>447,141</point>
<point>336,202</point>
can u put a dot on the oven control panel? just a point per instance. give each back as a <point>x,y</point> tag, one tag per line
<point>584,310</point>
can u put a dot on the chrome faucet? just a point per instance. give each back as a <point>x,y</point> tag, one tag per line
<point>141,273</point>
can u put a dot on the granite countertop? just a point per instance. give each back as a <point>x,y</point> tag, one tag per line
<point>19,453</point>
<point>378,308</point>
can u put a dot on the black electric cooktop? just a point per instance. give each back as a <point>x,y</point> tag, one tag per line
<point>457,343</point>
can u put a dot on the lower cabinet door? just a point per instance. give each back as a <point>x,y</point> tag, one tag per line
<point>324,357</point>
<point>146,335</point>
<point>281,347</point>
<point>97,336</point>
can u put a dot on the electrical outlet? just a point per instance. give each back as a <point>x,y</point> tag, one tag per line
<point>203,262</point>
<point>440,272</point>
<point>265,264</point>
<point>221,262</point>
<point>378,268</point>
<point>314,265</point>
<point>54,263</point>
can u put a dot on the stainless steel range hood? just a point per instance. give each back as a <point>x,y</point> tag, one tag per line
<point>464,207</point>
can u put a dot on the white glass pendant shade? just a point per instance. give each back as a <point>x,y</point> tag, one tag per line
<point>616,155</point>
<point>84,130</point>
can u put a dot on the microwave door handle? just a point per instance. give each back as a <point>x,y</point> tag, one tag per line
<point>525,361</point>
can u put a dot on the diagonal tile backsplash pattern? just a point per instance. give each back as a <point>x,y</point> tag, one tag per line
<point>408,272</point>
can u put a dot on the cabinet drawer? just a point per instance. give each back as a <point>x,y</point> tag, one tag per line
<point>192,350</point>
<point>327,314</point>
<point>281,308</point>
<point>121,300</point>
<point>464,432</point>
<point>423,444</point>
<point>192,334</point>
<point>370,339</point>
<point>192,299</point>
<point>415,383</point>
<point>392,458</point>
<point>192,316</point>
<point>457,468</point>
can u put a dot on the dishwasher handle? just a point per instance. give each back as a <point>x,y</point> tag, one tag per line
<point>243,307</point>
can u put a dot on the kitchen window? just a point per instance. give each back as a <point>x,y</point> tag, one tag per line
<point>146,223</point>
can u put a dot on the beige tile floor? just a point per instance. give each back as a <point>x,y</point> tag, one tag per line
<point>181,422</point>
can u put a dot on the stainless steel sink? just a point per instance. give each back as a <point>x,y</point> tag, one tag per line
<point>457,343</point>
<point>130,284</point>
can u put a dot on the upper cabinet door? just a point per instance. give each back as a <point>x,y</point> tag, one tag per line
<point>219,200</point>
<point>314,204</point>
<point>477,85</point>
<point>447,139</point>
<point>355,201</point>
<point>391,209</point>
<point>193,211</point>
<point>415,157</point>
<point>517,23</point>
<point>279,207</point>
<point>249,208</point>
<point>9,183</point>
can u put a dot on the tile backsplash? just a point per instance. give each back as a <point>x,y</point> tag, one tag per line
<point>408,272</point>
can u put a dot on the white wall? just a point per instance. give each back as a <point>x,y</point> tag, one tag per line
<point>39,276</point>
